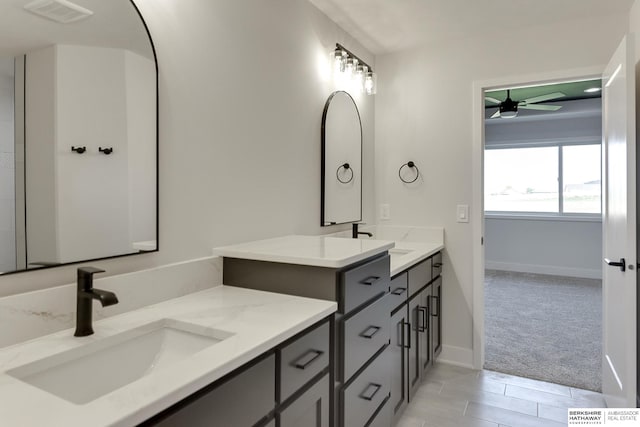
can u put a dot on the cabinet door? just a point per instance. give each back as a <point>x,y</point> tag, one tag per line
<point>309,410</point>
<point>424,337</point>
<point>227,404</point>
<point>414,341</point>
<point>436,317</point>
<point>400,336</point>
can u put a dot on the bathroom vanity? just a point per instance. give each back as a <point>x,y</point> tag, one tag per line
<point>387,330</point>
<point>355,274</point>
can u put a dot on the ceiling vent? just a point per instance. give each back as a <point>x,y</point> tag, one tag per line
<point>61,11</point>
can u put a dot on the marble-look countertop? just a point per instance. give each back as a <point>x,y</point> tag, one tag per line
<point>319,251</point>
<point>258,321</point>
<point>407,254</point>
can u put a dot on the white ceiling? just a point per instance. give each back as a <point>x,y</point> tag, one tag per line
<point>385,26</point>
<point>115,23</point>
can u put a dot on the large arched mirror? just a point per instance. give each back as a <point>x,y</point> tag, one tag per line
<point>341,161</point>
<point>78,133</point>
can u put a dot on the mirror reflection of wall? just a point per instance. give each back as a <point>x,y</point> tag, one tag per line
<point>89,83</point>
<point>7,167</point>
<point>341,161</point>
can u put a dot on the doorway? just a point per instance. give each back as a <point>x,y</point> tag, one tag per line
<point>543,232</point>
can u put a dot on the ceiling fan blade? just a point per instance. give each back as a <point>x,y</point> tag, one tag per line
<point>541,98</point>
<point>495,115</point>
<point>540,107</point>
<point>490,99</point>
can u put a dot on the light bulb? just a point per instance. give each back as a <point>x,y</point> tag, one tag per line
<point>350,67</point>
<point>358,77</point>
<point>338,57</point>
<point>371,83</point>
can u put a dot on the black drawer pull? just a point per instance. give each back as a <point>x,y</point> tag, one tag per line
<point>399,291</point>
<point>370,281</point>
<point>437,265</point>
<point>304,360</point>
<point>369,335</point>
<point>437,304</point>
<point>372,388</point>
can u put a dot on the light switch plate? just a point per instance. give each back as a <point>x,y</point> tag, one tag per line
<point>385,211</point>
<point>462,213</point>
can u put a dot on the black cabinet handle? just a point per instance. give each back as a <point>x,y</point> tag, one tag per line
<point>622,263</point>
<point>307,359</point>
<point>399,291</point>
<point>370,281</point>
<point>437,304</point>
<point>370,391</point>
<point>423,310</point>
<point>408,325</point>
<point>367,334</point>
<point>437,265</point>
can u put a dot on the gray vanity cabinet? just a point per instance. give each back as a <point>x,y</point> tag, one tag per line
<point>420,347</point>
<point>361,385</point>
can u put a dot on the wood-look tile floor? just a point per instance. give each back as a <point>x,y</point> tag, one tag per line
<point>452,396</point>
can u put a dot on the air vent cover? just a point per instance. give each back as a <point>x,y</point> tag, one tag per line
<point>61,11</point>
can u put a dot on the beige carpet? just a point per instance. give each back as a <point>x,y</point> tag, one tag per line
<point>544,327</point>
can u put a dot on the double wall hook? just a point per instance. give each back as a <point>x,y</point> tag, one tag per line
<point>106,151</point>
<point>78,150</point>
<point>346,168</point>
<point>410,165</point>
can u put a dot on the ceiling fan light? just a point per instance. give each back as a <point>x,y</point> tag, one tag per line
<point>508,114</point>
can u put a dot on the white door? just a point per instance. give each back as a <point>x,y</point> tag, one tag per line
<point>619,228</point>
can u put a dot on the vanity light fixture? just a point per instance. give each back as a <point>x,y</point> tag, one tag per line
<point>349,66</point>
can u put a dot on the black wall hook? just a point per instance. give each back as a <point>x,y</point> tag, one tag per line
<point>106,151</point>
<point>411,165</point>
<point>346,167</point>
<point>78,150</point>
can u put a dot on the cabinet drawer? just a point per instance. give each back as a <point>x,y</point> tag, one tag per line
<point>363,396</point>
<point>303,359</point>
<point>365,334</point>
<point>226,404</point>
<point>436,267</point>
<point>309,410</point>
<point>398,291</point>
<point>363,283</point>
<point>419,275</point>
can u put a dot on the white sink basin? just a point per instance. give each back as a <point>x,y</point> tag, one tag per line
<point>85,373</point>
<point>395,253</point>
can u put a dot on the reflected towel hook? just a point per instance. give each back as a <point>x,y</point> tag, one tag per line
<point>411,165</point>
<point>78,150</point>
<point>346,167</point>
<point>106,151</point>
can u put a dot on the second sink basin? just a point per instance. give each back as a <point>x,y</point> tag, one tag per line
<point>85,373</point>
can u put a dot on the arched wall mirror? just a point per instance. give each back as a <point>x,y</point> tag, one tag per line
<point>78,133</point>
<point>341,161</point>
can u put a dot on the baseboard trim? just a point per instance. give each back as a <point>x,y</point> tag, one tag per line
<point>586,273</point>
<point>458,356</point>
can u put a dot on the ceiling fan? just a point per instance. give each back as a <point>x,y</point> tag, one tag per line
<point>509,108</point>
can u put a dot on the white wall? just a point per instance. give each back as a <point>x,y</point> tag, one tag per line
<point>241,90</point>
<point>424,113</point>
<point>567,248</point>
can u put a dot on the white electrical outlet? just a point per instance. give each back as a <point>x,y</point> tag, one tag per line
<point>385,211</point>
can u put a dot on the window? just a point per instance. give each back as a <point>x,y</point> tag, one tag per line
<point>554,179</point>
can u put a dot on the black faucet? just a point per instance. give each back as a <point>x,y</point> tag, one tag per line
<point>86,295</point>
<point>355,233</point>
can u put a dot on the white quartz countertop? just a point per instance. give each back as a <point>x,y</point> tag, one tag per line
<point>258,321</point>
<point>319,251</point>
<point>406,254</point>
